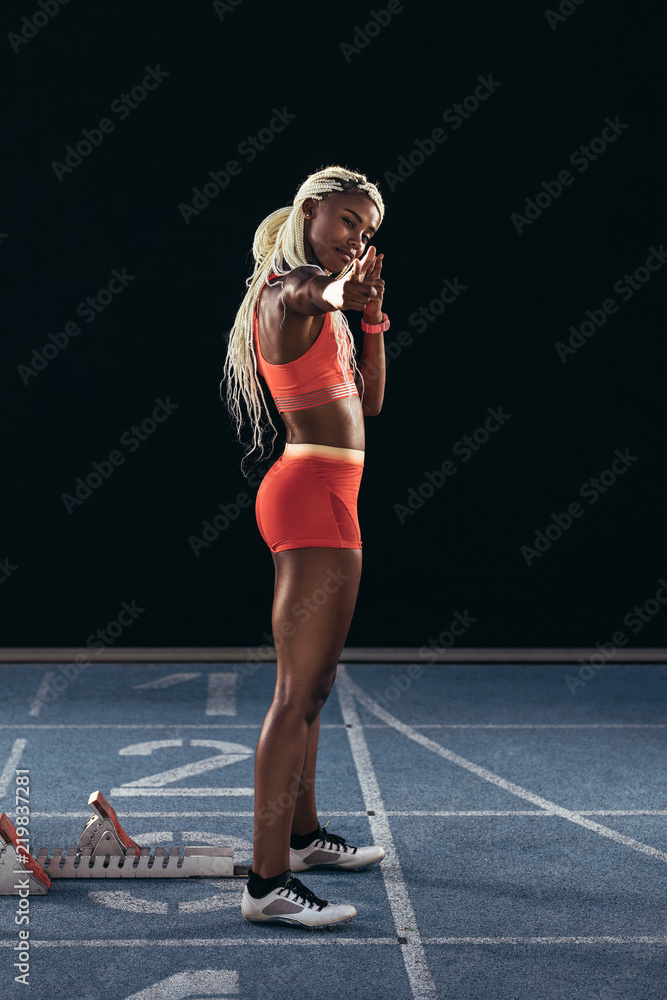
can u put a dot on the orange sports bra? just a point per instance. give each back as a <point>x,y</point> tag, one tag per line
<point>311,379</point>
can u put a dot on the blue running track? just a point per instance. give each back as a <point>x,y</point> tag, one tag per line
<point>524,823</point>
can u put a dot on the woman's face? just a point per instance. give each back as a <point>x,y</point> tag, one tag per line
<point>338,229</point>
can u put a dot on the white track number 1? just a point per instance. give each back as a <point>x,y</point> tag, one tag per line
<point>162,783</point>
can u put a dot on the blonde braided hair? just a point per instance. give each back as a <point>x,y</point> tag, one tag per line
<point>278,240</point>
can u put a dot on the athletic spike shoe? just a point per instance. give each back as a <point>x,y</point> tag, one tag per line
<point>328,850</point>
<point>295,905</point>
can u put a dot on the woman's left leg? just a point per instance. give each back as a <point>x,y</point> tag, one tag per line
<point>305,811</point>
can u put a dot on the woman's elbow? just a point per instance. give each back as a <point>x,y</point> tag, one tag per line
<point>371,411</point>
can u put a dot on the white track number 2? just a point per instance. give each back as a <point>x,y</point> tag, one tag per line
<point>162,783</point>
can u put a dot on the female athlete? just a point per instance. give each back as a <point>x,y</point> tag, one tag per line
<point>313,259</point>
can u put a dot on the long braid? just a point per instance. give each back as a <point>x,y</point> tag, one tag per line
<point>280,239</point>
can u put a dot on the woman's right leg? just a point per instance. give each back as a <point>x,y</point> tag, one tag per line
<point>315,594</point>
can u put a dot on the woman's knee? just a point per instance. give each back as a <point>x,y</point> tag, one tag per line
<point>304,703</point>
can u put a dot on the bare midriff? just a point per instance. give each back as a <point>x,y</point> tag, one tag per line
<point>338,425</point>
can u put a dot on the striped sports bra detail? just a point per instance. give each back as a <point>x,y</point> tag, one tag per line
<point>317,397</point>
<point>313,378</point>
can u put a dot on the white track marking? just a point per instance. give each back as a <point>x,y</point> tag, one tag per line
<point>151,725</point>
<point>146,748</point>
<point>284,942</point>
<point>122,814</point>
<point>414,956</point>
<point>486,775</point>
<point>530,725</point>
<point>161,837</point>
<point>37,703</point>
<point>164,682</point>
<point>643,939</point>
<point>204,982</point>
<point>323,725</point>
<point>230,753</point>
<point>7,776</point>
<point>122,899</point>
<point>187,770</point>
<point>203,838</point>
<point>129,793</point>
<point>221,697</point>
<point>328,940</point>
<point>521,812</point>
<point>359,812</point>
<point>229,897</point>
<point>323,939</point>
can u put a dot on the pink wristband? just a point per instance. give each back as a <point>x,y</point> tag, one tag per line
<point>376,327</point>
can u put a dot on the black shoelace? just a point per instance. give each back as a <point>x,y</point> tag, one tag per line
<point>302,893</point>
<point>337,841</point>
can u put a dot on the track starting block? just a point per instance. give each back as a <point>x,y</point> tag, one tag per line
<point>106,851</point>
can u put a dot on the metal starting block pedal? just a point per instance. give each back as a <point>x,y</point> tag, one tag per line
<point>106,851</point>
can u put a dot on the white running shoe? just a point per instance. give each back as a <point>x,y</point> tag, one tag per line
<point>296,905</point>
<point>332,851</point>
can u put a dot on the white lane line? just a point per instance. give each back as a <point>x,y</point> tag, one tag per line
<point>37,702</point>
<point>495,779</point>
<point>643,939</point>
<point>414,956</point>
<point>164,682</point>
<point>152,725</point>
<point>521,812</point>
<point>412,814</point>
<point>7,776</point>
<point>130,793</point>
<point>221,697</point>
<point>361,812</point>
<point>122,899</point>
<point>285,942</point>
<point>323,725</point>
<point>159,815</point>
<point>291,942</point>
<point>529,725</point>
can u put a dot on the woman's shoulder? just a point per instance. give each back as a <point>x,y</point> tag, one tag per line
<point>297,275</point>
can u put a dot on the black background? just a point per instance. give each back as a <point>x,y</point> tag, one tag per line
<point>164,335</point>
